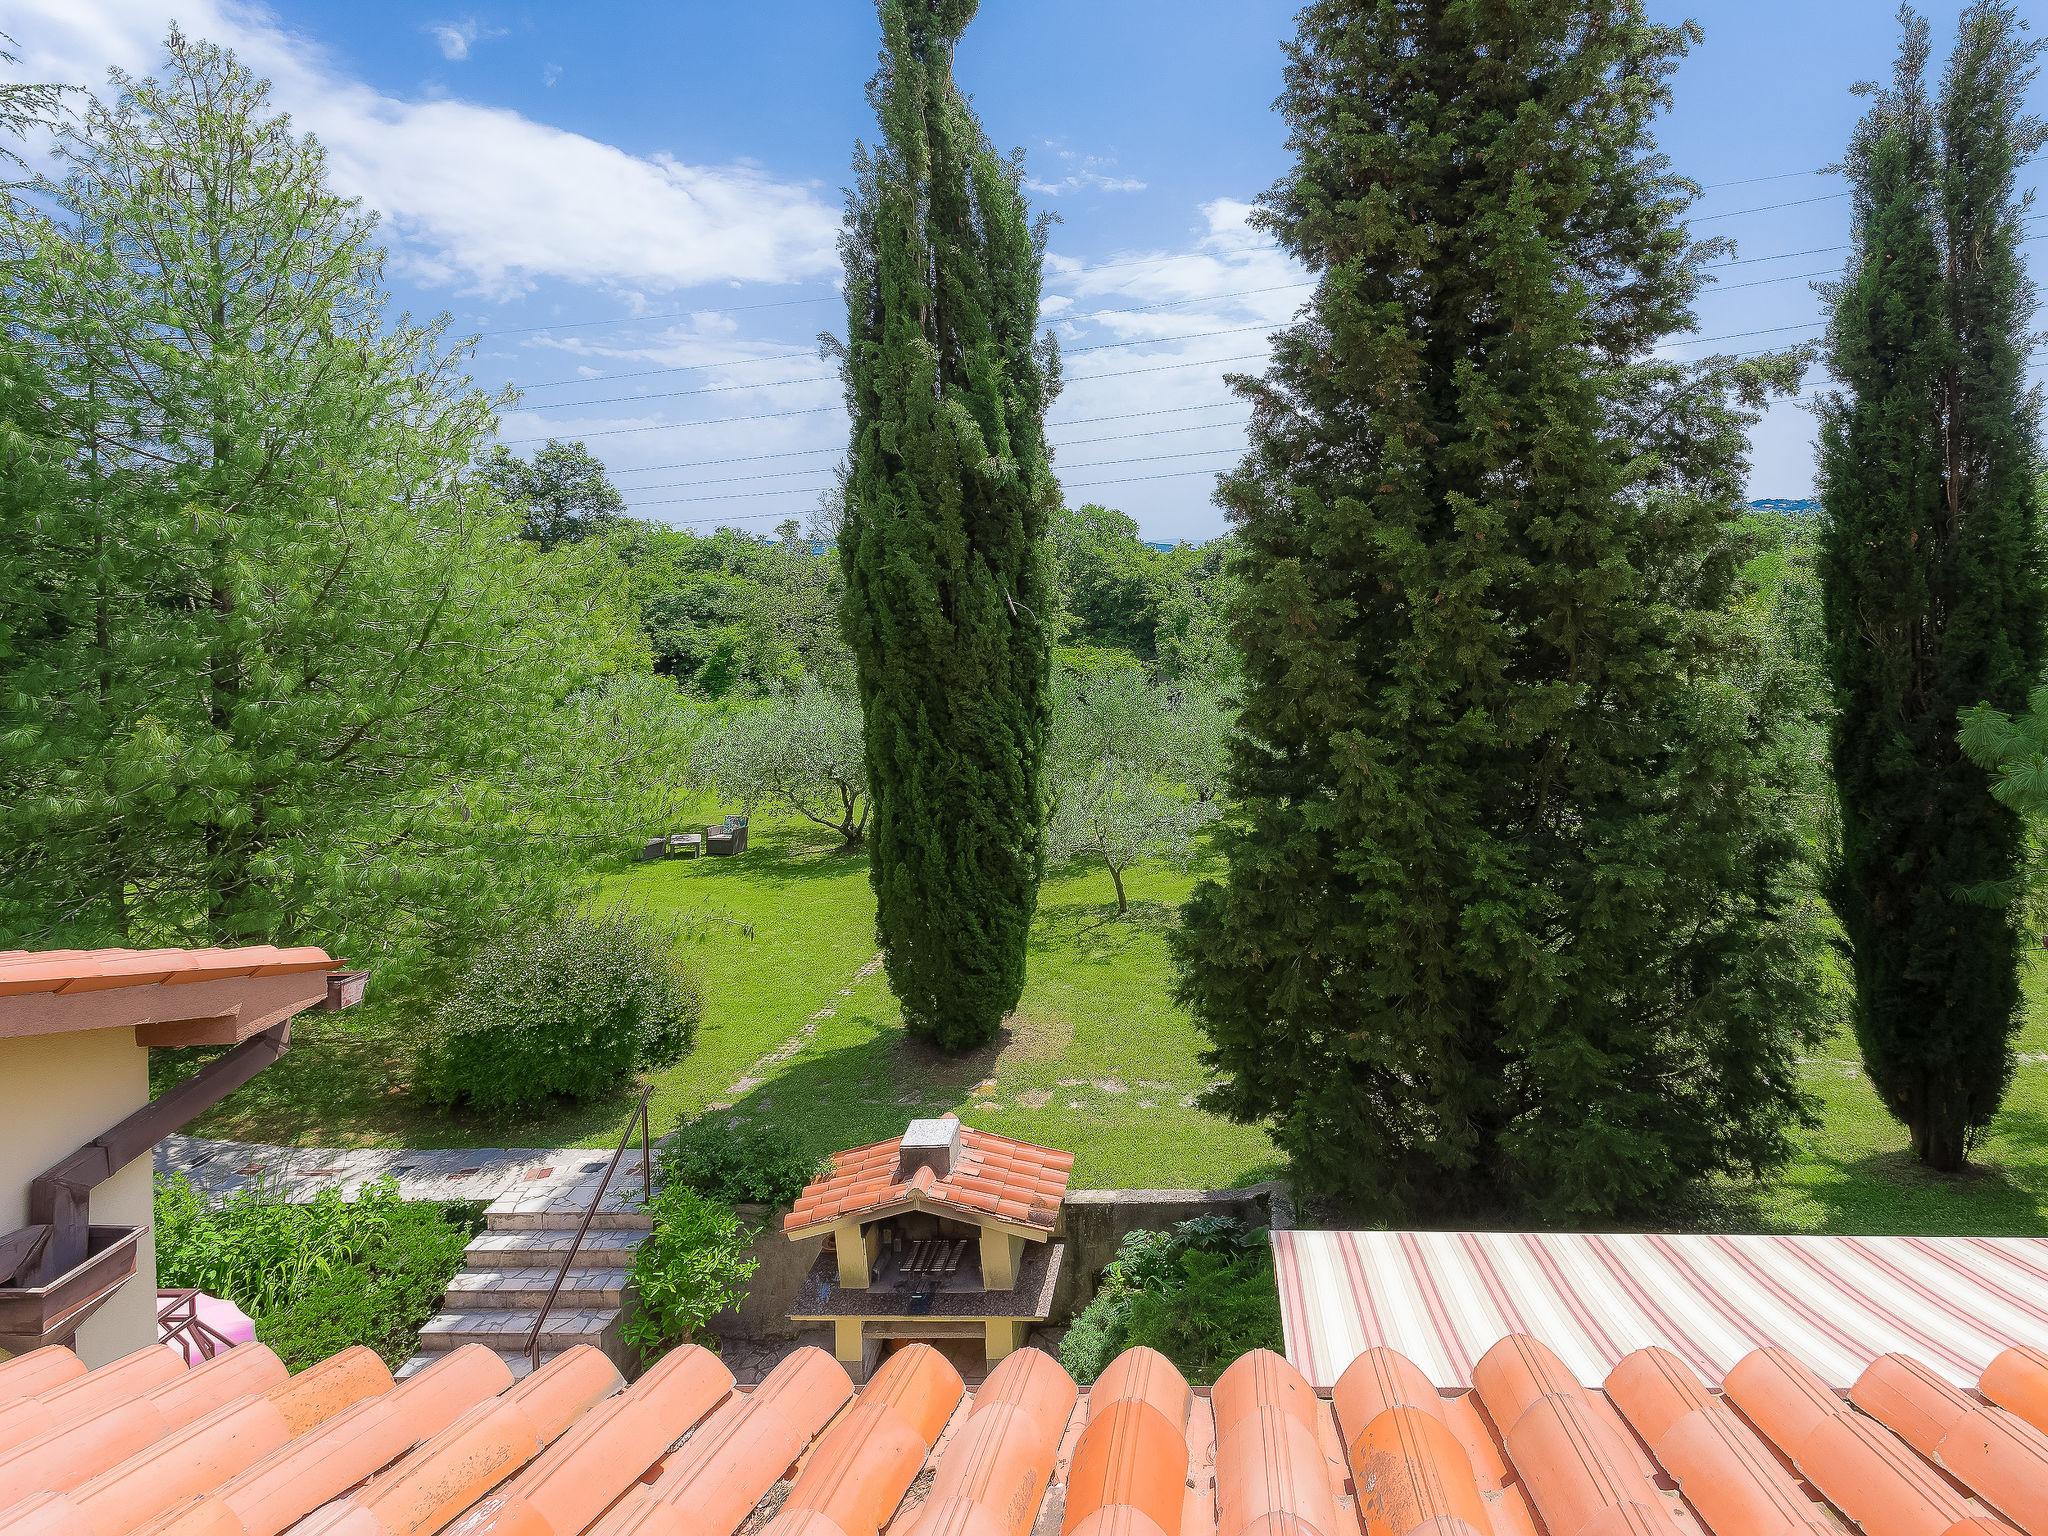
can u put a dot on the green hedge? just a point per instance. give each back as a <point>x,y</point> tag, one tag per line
<point>572,1011</point>
<point>320,1275</point>
<point>1201,1294</point>
<point>751,1163</point>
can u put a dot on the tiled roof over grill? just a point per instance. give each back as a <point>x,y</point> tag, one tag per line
<point>233,1447</point>
<point>1013,1181</point>
<point>70,971</point>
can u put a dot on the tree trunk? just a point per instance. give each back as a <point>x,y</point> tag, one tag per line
<point>1123,902</point>
<point>1939,1125</point>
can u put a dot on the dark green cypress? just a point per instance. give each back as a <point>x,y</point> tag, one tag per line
<point>1513,914</point>
<point>1932,572</point>
<point>947,502</point>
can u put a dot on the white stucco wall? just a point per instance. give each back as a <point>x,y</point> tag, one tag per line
<point>57,1092</point>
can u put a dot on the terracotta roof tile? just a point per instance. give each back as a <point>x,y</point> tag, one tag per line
<point>995,1175</point>
<point>71,971</point>
<point>230,1449</point>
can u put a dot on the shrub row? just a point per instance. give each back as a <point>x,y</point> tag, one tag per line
<point>321,1275</point>
<point>1201,1294</point>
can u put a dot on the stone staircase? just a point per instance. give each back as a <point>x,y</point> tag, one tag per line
<point>509,1266</point>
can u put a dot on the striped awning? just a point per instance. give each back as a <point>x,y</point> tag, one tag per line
<point>1444,1298</point>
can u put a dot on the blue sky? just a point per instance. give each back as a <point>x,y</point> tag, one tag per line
<point>636,203</point>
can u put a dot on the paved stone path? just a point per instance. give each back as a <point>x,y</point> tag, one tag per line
<point>567,1174</point>
<point>757,1074</point>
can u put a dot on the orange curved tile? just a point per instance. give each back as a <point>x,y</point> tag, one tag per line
<point>1781,1397</point>
<point>428,1488</point>
<point>38,1371</point>
<point>1515,1373</point>
<point>1262,1380</point>
<point>325,1462</point>
<point>2004,1461</point>
<point>712,1483</point>
<point>858,1474</point>
<point>45,1514</point>
<point>1030,1379</point>
<point>66,1455</point>
<point>1118,1520</point>
<point>992,1477</point>
<point>1654,1389</point>
<point>605,1452</point>
<point>1910,1400</point>
<point>1268,1464</point>
<point>1876,1480</point>
<point>1131,1454</point>
<point>1626,1520</point>
<point>1377,1380</point>
<point>318,1393</point>
<point>1731,1478</point>
<point>195,1459</point>
<point>920,1385</point>
<point>1145,1375</point>
<point>1411,1473</point>
<point>89,1394</point>
<point>2018,1382</point>
<point>1569,1462</point>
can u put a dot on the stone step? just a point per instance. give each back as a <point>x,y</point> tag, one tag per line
<point>515,1362</point>
<point>507,1328</point>
<point>613,1218</point>
<point>606,1248</point>
<point>585,1288</point>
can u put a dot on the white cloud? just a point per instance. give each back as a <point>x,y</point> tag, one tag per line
<point>550,74</point>
<point>456,38</point>
<point>1084,173</point>
<point>477,197</point>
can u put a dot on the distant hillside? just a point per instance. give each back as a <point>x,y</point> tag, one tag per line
<point>1788,508</point>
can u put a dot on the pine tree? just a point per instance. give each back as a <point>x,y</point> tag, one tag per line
<point>946,506</point>
<point>1513,912</point>
<point>1931,569</point>
<point>290,675</point>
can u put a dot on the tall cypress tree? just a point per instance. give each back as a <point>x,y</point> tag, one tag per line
<point>1513,905</point>
<point>1932,571</point>
<point>947,501</point>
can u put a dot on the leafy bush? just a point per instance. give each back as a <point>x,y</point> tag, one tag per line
<point>567,1012</point>
<point>693,1266</point>
<point>1201,1294</point>
<point>747,1164</point>
<point>321,1275</point>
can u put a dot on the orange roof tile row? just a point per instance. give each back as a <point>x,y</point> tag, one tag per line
<point>995,1176</point>
<point>70,971</point>
<point>232,1447</point>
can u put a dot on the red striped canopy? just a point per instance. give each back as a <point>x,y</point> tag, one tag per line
<point>1445,1298</point>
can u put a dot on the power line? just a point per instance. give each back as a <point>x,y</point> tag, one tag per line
<point>783,474</point>
<point>720,421</point>
<point>1797,202</point>
<point>1055,319</point>
<point>660,426</point>
<point>833,378</point>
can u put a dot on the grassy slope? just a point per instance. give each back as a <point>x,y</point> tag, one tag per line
<point>1097,1059</point>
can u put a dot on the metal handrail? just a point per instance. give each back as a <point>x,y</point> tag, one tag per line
<point>583,1229</point>
<point>190,1332</point>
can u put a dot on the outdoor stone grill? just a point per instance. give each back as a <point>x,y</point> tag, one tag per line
<point>944,1234</point>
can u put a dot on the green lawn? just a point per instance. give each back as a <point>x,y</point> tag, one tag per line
<point>1096,1060</point>
<point>1855,1174</point>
